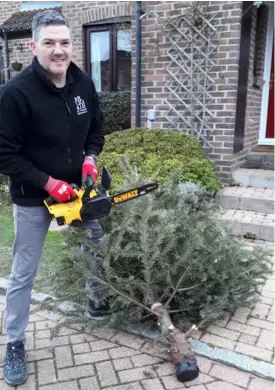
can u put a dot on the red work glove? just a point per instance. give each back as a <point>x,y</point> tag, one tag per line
<point>89,168</point>
<point>59,190</point>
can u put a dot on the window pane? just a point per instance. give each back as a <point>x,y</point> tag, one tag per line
<point>123,57</point>
<point>100,60</point>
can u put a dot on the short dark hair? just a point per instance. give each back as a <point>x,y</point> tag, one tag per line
<point>46,18</point>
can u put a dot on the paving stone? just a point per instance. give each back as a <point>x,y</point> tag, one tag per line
<point>29,346</point>
<point>222,386</point>
<point>247,339</point>
<point>241,314</point>
<point>61,386</point>
<point>91,357</point>
<point>89,384</point>
<point>267,293</point>
<point>261,384</point>
<point>81,348</point>
<point>67,374</point>
<point>55,342</point>
<point>218,341</point>
<point>230,375</point>
<point>35,318</point>
<point>31,384</point>
<point>30,368</point>
<point>171,382</point>
<point>42,334</point>
<point>204,364</point>
<point>152,384</point>
<point>165,369</point>
<point>106,374</point>
<point>4,386</point>
<point>271,318</point>
<point>136,374</point>
<point>128,340</point>
<point>101,344</point>
<point>223,321</point>
<point>46,372</point>
<point>155,349</point>
<point>81,338</point>
<point>266,340</point>
<point>50,315</point>
<point>64,331</point>
<point>260,311</point>
<point>122,364</point>
<point>244,328</point>
<point>104,333</point>
<point>129,386</point>
<point>223,332</point>
<point>269,285</point>
<point>42,354</point>
<point>30,327</point>
<point>120,352</point>
<point>260,324</point>
<point>144,360</point>
<point>45,324</point>
<point>63,357</point>
<point>253,351</point>
<point>201,379</point>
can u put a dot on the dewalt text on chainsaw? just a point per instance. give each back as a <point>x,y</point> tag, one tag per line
<point>93,202</point>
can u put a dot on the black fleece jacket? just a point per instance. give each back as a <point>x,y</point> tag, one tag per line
<point>47,131</point>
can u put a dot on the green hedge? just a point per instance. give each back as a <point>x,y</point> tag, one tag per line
<point>156,154</point>
<point>116,109</point>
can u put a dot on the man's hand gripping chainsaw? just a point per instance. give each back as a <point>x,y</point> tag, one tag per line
<point>93,202</point>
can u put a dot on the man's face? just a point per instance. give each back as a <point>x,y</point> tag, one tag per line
<point>53,49</point>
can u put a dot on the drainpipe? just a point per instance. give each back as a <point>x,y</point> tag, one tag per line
<point>7,54</point>
<point>138,63</point>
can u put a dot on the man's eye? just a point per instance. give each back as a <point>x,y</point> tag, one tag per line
<point>47,43</point>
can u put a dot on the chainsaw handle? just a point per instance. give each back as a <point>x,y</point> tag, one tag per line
<point>90,181</point>
<point>51,200</point>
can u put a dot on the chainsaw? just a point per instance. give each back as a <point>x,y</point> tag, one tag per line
<point>93,201</point>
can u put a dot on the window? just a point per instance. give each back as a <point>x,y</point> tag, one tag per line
<point>108,56</point>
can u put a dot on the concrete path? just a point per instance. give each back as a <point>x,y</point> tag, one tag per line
<point>109,360</point>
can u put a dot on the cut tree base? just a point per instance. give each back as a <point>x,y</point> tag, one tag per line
<point>180,349</point>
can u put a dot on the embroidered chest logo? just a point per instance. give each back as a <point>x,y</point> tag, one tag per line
<point>80,106</point>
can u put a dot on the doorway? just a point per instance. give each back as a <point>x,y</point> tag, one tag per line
<point>266,134</point>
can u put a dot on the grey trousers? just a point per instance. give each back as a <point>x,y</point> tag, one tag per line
<point>31,225</point>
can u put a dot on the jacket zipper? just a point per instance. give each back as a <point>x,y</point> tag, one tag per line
<point>69,111</point>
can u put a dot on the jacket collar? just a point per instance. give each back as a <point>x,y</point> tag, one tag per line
<point>73,74</point>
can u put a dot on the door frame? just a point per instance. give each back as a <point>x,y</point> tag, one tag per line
<point>267,71</point>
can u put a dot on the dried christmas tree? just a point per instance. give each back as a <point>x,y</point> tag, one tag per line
<point>165,257</point>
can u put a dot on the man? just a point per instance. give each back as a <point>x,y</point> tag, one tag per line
<point>50,136</point>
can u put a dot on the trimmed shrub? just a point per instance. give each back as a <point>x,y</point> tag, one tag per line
<point>157,154</point>
<point>116,109</point>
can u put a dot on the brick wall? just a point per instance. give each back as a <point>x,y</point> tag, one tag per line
<point>227,21</point>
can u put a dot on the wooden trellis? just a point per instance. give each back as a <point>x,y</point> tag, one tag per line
<point>192,53</point>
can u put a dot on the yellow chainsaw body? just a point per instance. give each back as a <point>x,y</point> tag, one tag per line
<point>70,210</point>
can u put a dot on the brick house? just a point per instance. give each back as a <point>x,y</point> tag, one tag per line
<point>205,68</point>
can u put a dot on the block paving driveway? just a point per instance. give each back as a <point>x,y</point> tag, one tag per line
<point>109,360</point>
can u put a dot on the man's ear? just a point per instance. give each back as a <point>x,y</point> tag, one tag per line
<point>33,48</point>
